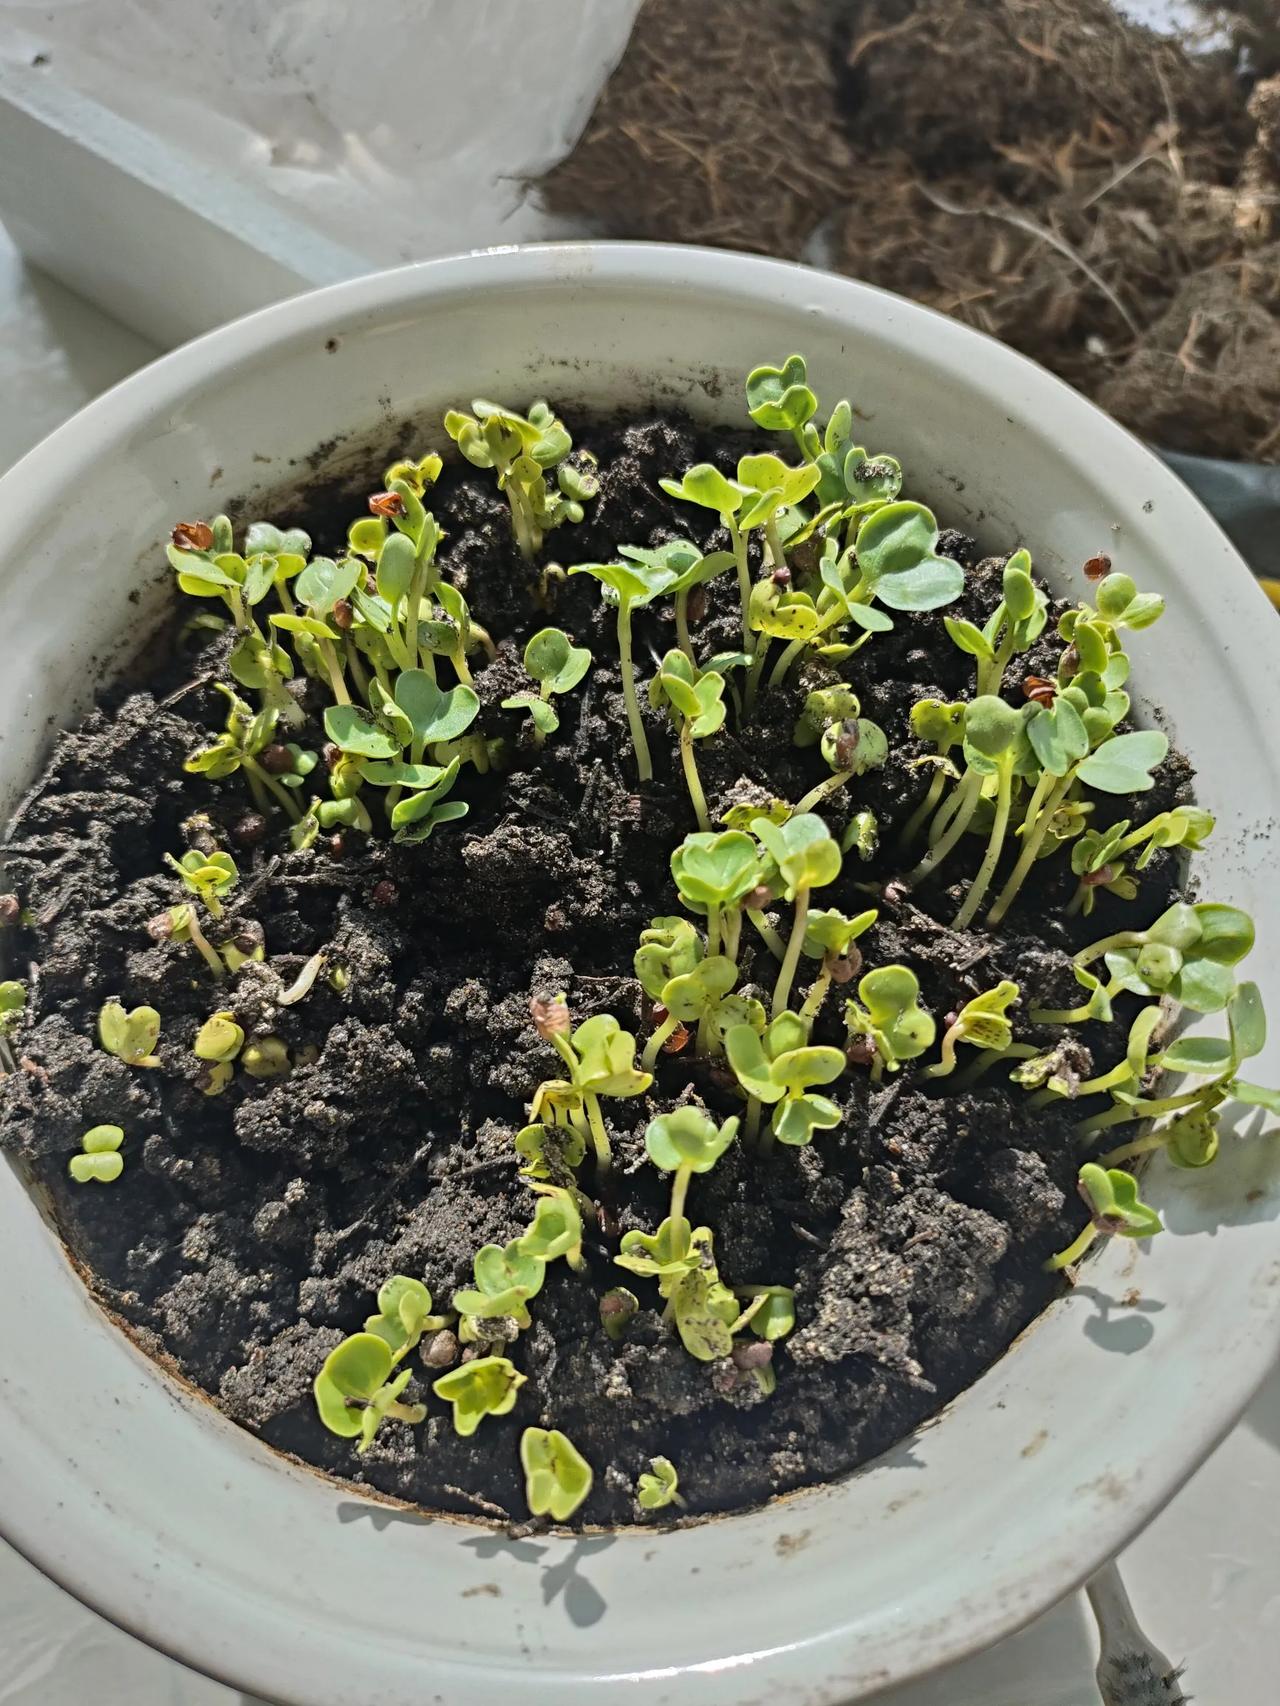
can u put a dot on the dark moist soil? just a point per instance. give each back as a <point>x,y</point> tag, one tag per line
<point>249,1232</point>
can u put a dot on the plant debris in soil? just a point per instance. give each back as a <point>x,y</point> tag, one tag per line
<point>1102,198</point>
<point>250,1231</point>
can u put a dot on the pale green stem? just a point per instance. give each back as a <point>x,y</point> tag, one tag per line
<point>995,844</point>
<point>782,989</point>
<point>692,779</point>
<point>830,785</point>
<point>925,810</point>
<point>816,996</point>
<point>334,671</point>
<point>732,936</point>
<point>1131,1151</point>
<point>966,796</point>
<point>1120,1114</point>
<point>768,935</point>
<point>1071,1255</point>
<point>713,930</point>
<point>212,958</point>
<point>777,556</point>
<point>644,763</point>
<point>1032,842</point>
<point>748,1315</point>
<point>947,1063</point>
<point>751,1128</point>
<point>276,789</point>
<point>599,1136</point>
<point>680,1190</point>
<point>1121,939</point>
<point>763,642</point>
<point>653,1047</point>
<point>739,544</point>
<point>358,673</point>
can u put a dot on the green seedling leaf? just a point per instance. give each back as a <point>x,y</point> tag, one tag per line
<point>485,1387</point>
<point>969,638</point>
<point>542,715</point>
<point>803,849</point>
<point>669,948</point>
<point>660,1487</point>
<point>548,1150</point>
<point>1248,1021</point>
<point>1191,1140</point>
<point>691,994</point>
<point>323,583</point>
<point>715,870</point>
<point>779,398</point>
<point>776,1316</point>
<point>797,1118</point>
<point>436,714</point>
<point>890,1015</point>
<point>688,1138</point>
<point>618,1307</point>
<point>870,482</point>
<point>663,1255</point>
<point>359,732</point>
<point>1058,735</point>
<point>633,585</point>
<point>554,662</point>
<point>896,555</point>
<point>556,1228</point>
<point>506,1278</point>
<point>606,1055</point>
<point>99,1161</point>
<point>990,726</point>
<point>131,1036</point>
<point>1112,1195</point>
<point>404,1313</point>
<point>1123,764</point>
<point>1204,1056</point>
<point>1256,1095</point>
<point>830,932</point>
<point>557,1477</point>
<point>219,1038</point>
<point>352,1392</point>
<point>704,1311</point>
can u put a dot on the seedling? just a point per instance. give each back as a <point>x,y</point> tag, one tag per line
<point>1116,1211</point>
<point>550,1152</point>
<point>983,1023</point>
<point>557,1477</point>
<point>692,569</point>
<point>686,1142</point>
<point>991,749</point>
<point>219,1040</point>
<point>557,665</point>
<point>705,486</point>
<point>207,875</point>
<point>556,1228</point>
<point>1123,1078</point>
<point>695,700</point>
<point>1014,626</point>
<point>806,858</point>
<point>669,948</point>
<point>703,997</point>
<point>404,1315</point>
<point>660,1486</point>
<point>1061,738</point>
<point>130,1036</point>
<point>850,743</point>
<point>267,1057</point>
<point>829,937</point>
<point>942,725</point>
<point>505,1279</point>
<point>354,1394</point>
<point>246,735</point>
<point>600,1056</point>
<point>1098,856</point>
<point>617,1309</point>
<point>779,1068</point>
<point>1187,954</point>
<point>888,1017</point>
<point>100,1158</point>
<point>714,874</point>
<point>631,586</point>
<point>770,1311</point>
<point>896,554</point>
<point>1191,1139</point>
<point>485,1387</point>
<point>524,450</point>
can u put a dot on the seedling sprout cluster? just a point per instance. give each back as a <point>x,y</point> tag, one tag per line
<point>761,999</point>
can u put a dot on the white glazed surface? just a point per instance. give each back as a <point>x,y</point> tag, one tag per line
<point>177,1525</point>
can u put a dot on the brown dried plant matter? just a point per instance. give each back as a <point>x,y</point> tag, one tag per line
<point>1046,170</point>
<point>721,125</point>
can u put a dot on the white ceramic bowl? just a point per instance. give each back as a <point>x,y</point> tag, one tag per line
<point>138,1497</point>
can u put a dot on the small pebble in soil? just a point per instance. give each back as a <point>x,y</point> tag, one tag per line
<point>10,910</point>
<point>385,894</point>
<point>276,759</point>
<point>249,830</point>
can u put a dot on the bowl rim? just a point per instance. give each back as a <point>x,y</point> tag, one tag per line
<point>102,426</point>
